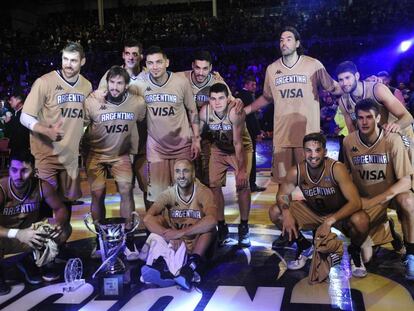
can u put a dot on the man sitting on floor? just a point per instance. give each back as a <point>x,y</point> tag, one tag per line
<point>182,224</point>
<point>21,198</point>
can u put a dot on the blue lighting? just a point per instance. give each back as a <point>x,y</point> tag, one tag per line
<point>405,45</point>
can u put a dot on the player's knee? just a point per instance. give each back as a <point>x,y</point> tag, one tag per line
<point>360,220</point>
<point>406,203</point>
<point>98,193</point>
<point>124,188</point>
<point>275,214</point>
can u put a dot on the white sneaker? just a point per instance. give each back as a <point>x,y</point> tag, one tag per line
<point>131,255</point>
<point>358,272</point>
<point>300,262</point>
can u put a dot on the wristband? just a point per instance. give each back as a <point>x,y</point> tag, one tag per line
<point>11,234</point>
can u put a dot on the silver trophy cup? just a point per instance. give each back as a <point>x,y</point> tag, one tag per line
<point>112,236</point>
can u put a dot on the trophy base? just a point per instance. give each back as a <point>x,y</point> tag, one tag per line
<point>111,285</point>
<point>73,286</point>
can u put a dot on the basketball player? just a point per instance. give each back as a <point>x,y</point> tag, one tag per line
<point>53,111</point>
<point>231,147</point>
<point>186,229</point>
<point>21,198</point>
<point>110,138</point>
<point>394,116</point>
<point>201,78</point>
<point>382,171</point>
<point>132,56</point>
<point>331,199</point>
<point>170,106</point>
<point>292,83</point>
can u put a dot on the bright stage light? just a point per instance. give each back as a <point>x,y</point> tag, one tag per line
<point>405,45</point>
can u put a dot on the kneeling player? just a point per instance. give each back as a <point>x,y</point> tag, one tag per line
<point>182,224</point>
<point>382,171</point>
<point>21,199</point>
<point>331,199</point>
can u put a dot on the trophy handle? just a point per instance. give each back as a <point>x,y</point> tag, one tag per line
<point>89,223</point>
<point>134,222</point>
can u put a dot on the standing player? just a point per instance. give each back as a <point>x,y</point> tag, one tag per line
<point>292,84</point>
<point>394,116</point>
<point>132,56</point>
<point>53,111</point>
<point>331,199</point>
<point>201,78</point>
<point>110,138</point>
<point>170,106</point>
<point>188,227</point>
<point>383,174</point>
<point>231,147</point>
<point>21,199</point>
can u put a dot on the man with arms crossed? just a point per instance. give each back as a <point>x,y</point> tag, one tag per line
<point>382,172</point>
<point>331,199</point>
<point>182,221</point>
<point>53,111</point>
<point>110,138</point>
<point>231,147</point>
<point>21,199</point>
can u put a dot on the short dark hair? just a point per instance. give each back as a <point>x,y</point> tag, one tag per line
<point>249,78</point>
<point>23,156</point>
<point>155,49</point>
<point>296,34</point>
<point>74,47</point>
<point>203,55</point>
<point>315,137</point>
<point>367,104</point>
<point>132,42</point>
<point>218,88</point>
<point>118,71</point>
<point>346,66</point>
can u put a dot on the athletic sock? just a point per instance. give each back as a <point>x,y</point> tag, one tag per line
<point>409,248</point>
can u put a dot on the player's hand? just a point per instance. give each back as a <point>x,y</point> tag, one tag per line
<point>172,234</point>
<point>99,94</point>
<point>325,228</point>
<point>237,104</point>
<point>289,226</point>
<point>31,237</point>
<point>391,128</point>
<point>56,232</point>
<point>217,76</point>
<point>175,244</point>
<point>55,132</point>
<point>195,148</point>
<point>241,180</point>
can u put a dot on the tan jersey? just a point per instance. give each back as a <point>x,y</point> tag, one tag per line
<point>52,98</point>
<point>201,92</point>
<point>112,130</point>
<point>20,212</point>
<point>347,105</point>
<point>294,91</point>
<point>179,213</point>
<point>323,196</point>
<point>375,168</point>
<point>221,132</point>
<point>169,131</point>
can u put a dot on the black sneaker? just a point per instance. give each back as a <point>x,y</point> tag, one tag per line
<point>256,188</point>
<point>244,236</point>
<point>187,277</point>
<point>29,269</point>
<point>282,241</point>
<point>157,274</point>
<point>397,242</point>
<point>4,288</point>
<point>51,272</point>
<point>222,234</point>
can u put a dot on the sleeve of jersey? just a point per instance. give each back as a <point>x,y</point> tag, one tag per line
<point>188,96</point>
<point>267,92</point>
<point>103,83</point>
<point>324,78</point>
<point>400,157</point>
<point>36,98</point>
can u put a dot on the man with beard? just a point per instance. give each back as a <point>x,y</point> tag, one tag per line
<point>110,138</point>
<point>182,224</point>
<point>21,199</point>
<point>54,111</point>
<point>292,83</point>
<point>331,200</point>
<point>382,171</point>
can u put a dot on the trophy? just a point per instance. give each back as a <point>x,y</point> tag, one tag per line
<point>73,275</point>
<point>112,235</point>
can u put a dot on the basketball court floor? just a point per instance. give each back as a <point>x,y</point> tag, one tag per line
<point>253,278</point>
